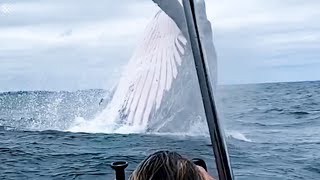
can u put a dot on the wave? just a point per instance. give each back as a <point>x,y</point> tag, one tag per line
<point>238,135</point>
<point>299,113</point>
<point>274,110</point>
<point>7,128</point>
<point>196,128</point>
<point>284,111</point>
<point>305,123</point>
<point>101,126</point>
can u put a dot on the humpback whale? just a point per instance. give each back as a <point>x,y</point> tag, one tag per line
<point>158,89</point>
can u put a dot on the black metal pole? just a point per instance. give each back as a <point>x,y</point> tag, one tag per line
<point>216,132</point>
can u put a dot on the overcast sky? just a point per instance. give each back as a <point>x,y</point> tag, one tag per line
<point>80,44</point>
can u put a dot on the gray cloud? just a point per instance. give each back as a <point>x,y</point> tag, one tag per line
<point>32,12</point>
<point>80,44</point>
<point>255,38</point>
<point>68,45</point>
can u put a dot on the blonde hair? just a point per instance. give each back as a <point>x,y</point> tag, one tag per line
<point>166,165</point>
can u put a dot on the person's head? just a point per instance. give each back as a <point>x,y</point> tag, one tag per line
<point>166,165</point>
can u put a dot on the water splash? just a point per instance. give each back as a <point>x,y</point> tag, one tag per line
<point>238,135</point>
<point>44,110</point>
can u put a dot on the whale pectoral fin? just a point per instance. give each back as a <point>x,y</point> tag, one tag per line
<point>152,69</point>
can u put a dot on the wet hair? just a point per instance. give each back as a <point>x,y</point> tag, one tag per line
<point>166,165</point>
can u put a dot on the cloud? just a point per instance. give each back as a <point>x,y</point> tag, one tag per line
<point>255,38</point>
<point>32,12</point>
<point>68,45</point>
<point>80,44</point>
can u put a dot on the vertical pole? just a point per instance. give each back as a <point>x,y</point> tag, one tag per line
<point>216,133</point>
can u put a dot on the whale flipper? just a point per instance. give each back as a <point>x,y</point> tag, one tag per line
<point>151,70</point>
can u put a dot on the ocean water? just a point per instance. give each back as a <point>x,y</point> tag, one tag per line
<point>272,133</point>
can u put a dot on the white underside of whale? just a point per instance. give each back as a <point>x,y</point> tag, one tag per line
<point>149,73</point>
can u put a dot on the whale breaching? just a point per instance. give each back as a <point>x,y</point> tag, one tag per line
<point>158,90</point>
<point>148,75</point>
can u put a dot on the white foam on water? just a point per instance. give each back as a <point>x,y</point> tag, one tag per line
<point>238,135</point>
